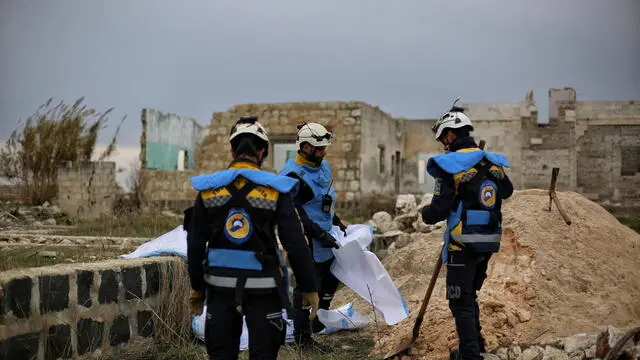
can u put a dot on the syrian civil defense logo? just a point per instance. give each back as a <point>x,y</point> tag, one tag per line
<point>488,193</point>
<point>238,226</point>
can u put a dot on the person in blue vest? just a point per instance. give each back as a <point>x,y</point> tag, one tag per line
<point>315,203</point>
<point>470,186</point>
<point>233,256</point>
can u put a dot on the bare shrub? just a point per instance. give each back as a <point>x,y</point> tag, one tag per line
<point>55,134</point>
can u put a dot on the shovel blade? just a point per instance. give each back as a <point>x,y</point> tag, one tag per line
<point>402,348</point>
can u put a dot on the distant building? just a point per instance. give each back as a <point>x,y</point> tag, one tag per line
<point>595,144</point>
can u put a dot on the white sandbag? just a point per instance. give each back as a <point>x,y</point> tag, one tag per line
<point>172,243</point>
<point>361,270</point>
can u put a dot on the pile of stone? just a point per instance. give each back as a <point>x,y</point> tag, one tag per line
<point>583,346</point>
<point>395,232</point>
<point>41,215</point>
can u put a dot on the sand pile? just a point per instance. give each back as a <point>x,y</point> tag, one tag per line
<point>549,280</point>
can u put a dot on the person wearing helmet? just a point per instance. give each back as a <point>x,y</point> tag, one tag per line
<point>470,186</point>
<point>232,252</point>
<point>315,203</point>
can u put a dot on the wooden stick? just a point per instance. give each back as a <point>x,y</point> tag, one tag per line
<point>560,208</point>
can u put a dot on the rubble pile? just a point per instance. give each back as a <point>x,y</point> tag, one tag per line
<point>548,281</point>
<point>392,233</point>
<point>584,346</point>
<point>41,215</point>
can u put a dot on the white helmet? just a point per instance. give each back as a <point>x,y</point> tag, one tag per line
<point>249,125</point>
<point>314,134</point>
<point>453,119</point>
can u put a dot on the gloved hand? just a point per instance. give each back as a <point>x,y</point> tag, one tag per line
<point>196,302</point>
<point>343,227</point>
<point>328,241</point>
<point>313,300</point>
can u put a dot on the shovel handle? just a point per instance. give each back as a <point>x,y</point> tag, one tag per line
<point>427,296</point>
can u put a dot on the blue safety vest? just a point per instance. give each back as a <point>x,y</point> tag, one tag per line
<point>241,252</point>
<point>475,220</point>
<point>319,180</point>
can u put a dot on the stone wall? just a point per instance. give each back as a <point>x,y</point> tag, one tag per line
<point>382,152</point>
<point>69,311</point>
<point>608,165</point>
<point>87,190</point>
<point>167,189</point>
<point>281,119</point>
<point>586,140</point>
<point>499,125</point>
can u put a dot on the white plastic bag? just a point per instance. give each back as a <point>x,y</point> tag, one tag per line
<point>361,270</point>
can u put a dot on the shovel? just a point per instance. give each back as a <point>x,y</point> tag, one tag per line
<point>403,347</point>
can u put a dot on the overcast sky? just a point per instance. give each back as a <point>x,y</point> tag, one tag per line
<point>409,57</point>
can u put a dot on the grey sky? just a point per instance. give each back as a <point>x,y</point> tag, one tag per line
<point>410,57</point>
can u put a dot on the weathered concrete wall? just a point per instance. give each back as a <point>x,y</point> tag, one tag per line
<point>382,152</point>
<point>164,136</point>
<point>500,125</point>
<point>581,138</point>
<point>168,189</point>
<point>280,121</point>
<point>87,190</point>
<point>68,311</point>
<point>607,139</point>
<point>419,145</point>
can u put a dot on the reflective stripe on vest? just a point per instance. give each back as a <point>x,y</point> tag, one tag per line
<point>455,163</point>
<point>233,259</point>
<point>231,282</point>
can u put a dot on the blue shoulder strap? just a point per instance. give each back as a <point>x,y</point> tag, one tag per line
<point>455,162</point>
<point>283,184</point>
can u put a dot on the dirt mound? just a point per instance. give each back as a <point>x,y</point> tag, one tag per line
<point>549,280</point>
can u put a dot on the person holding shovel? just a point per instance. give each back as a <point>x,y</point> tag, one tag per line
<point>470,186</point>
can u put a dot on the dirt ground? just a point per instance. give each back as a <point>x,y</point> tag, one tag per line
<point>549,280</point>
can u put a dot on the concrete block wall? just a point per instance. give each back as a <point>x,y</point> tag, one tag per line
<point>168,189</point>
<point>87,190</point>
<point>280,119</point>
<point>606,159</point>
<point>70,311</point>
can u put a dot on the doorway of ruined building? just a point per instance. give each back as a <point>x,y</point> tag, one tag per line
<point>282,152</point>
<point>397,170</point>
<point>426,182</point>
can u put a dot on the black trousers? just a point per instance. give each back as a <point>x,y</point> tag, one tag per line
<point>223,325</point>
<point>466,272</point>
<point>328,284</point>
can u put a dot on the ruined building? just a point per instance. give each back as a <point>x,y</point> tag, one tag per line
<point>596,145</point>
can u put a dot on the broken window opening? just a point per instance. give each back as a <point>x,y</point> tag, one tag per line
<point>183,160</point>
<point>630,159</point>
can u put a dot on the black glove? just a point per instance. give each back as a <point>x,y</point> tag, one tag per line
<point>327,240</point>
<point>343,227</point>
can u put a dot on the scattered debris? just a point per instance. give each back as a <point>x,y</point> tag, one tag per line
<point>547,282</point>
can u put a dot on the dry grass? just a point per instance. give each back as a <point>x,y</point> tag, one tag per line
<point>173,338</point>
<point>173,318</point>
<point>149,225</point>
<point>31,256</point>
<point>347,345</point>
<point>53,135</point>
